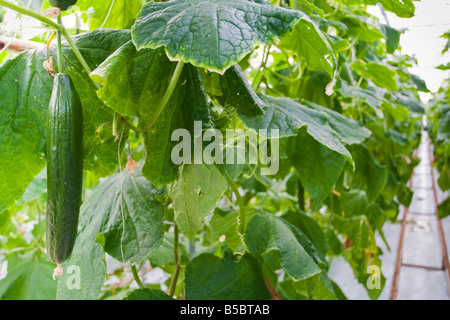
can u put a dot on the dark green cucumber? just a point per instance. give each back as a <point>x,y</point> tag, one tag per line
<point>63,4</point>
<point>64,168</point>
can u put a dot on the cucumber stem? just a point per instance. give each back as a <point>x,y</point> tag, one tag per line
<point>136,277</point>
<point>60,55</point>
<point>79,56</point>
<point>165,99</point>
<point>114,125</point>
<point>173,283</point>
<point>241,202</point>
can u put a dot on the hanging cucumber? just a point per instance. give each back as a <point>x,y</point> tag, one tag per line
<point>64,168</point>
<point>63,4</point>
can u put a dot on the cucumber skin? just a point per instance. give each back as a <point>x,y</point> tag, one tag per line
<point>62,4</point>
<point>64,168</point>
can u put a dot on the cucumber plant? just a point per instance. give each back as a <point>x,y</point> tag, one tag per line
<point>438,118</point>
<point>320,89</point>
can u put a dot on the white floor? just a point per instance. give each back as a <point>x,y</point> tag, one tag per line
<point>421,246</point>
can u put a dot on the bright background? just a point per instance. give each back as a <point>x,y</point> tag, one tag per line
<point>422,39</point>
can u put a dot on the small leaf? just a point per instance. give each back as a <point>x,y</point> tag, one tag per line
<point>288,116</point>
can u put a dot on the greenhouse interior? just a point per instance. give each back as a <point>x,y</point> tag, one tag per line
<point>246,150</point>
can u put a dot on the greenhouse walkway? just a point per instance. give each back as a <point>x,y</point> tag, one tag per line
<point>414,267</point>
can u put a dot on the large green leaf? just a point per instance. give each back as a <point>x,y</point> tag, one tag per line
<point>297,255</point>
<point>402,8</point>
<point>288,116</point>
<point>358,230</point>
<point>408,100</point>
<point>24,98</point>
<point>226,223</point>
<point>443,125</point>
<point>308,4</point>
<point>310,228</point>
<point>210,278</point>
<point>133,82</point>
<point>348,131</point>
<point>29,277</point>
<point>238,93</point>
<point>360,95</point>
<point>133,85</point>
<point>194,194</point>
<point>212,34</point>
<point>368,174</point>
<point>318,167</point>
<point>117,14</point>
<point>383,76</point>
<point>87,268</point>
<point>121,217</point>
<point>309,43</point>
<point>130,197</point>
<point>367,29</point>
<point>360,262</point>
<point>318,287</point>
<point>189,104</point>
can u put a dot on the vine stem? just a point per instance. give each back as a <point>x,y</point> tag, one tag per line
<point>58,27</point>
<point>173,283</point>
<point>262,68</point>
<point>78,54</point>
<point>136,277</point>
<point>60,55</point>
<point>301,195</point>
<point>165,99</point>
<point>240,201</point>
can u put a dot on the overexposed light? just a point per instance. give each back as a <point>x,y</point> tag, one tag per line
<point>422,39</point>
<point>23,27</point>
